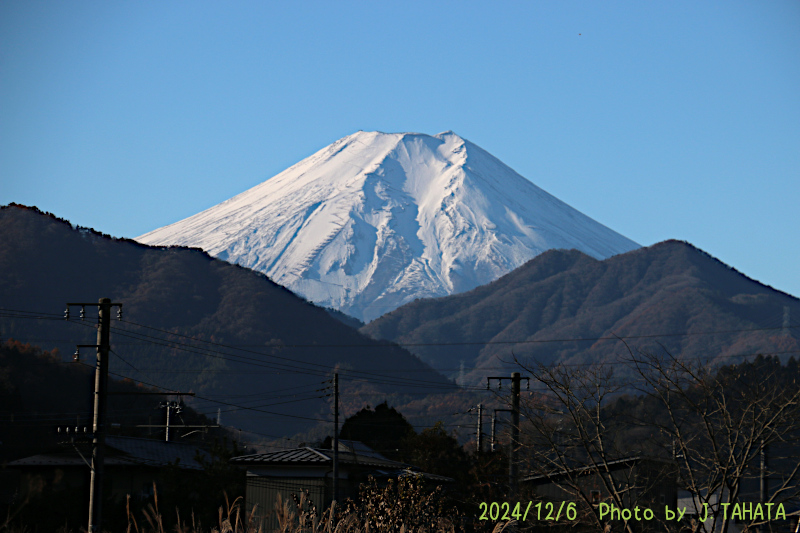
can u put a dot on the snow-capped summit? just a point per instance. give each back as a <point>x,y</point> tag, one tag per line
<point>376,220</point>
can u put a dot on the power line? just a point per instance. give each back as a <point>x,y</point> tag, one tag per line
<point>485,343</point>
<point>219,401</point>
<point>454,386</point>
<point>324,370</point>
<point>386,379</point>
<point>382,378</point>
<point>294,361</point>
<point>123,360</point>
<point>422,344</point>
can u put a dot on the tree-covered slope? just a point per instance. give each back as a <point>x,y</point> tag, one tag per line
<point>248,347</point>
<point>566,306</point>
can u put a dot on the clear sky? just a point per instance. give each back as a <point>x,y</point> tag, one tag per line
<point>659,119</point>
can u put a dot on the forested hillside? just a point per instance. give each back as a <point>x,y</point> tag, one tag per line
<point>252,351</point>
<point>564,306</point>
<point>39,393</point>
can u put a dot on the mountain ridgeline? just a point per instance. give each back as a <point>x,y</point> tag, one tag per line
<point>376,220</point>
<point>194,323</point>
<point>259,356</point>
<point>564,306</point>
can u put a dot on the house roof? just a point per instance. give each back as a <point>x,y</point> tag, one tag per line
<point>157,452</point>
<point>310,456</point>
<point>350,452</point>
<point>124,451</point>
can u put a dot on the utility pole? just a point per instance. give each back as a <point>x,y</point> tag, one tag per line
<point>100,404</point>
<point>335,436</point>
<point>513,463</point>
<point>494,424</point>
<point>99,416</point>
<point>480,427</point>
<point>170,405</point>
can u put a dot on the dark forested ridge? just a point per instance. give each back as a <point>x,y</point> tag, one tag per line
<point>39,393</point>
<point>670,289</point>
<point>267,349</point>
<point>270,351</point>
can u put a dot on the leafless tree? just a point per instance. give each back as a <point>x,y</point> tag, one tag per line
<point>707,426</point>
<point>722,422</point>
<point>573,442</point>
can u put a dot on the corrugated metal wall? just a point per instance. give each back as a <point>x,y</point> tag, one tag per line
<point>264,491</point>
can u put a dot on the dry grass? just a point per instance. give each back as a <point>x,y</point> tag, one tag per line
<point>408,510</point>
<point>232,518</point>
<point>402,509</point>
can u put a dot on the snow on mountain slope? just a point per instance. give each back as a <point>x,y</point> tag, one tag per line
<point>376,220</point>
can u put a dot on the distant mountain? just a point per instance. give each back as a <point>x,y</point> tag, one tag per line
<point>669,296</point>
<point>259,346</point>
<point>377,220</point>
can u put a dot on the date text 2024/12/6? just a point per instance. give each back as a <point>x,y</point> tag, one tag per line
<point>548,511</point>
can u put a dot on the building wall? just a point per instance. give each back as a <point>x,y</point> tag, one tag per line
<point>263,493</point>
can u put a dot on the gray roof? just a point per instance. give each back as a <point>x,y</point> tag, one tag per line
<point>157,452</point>
<point>408,472</point>
<point>124,451</point>
<point>62,459</point>
<point>308,456</point>
<point>350,452</point>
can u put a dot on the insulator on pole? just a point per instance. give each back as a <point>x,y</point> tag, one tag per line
<point>77,355</point>
<point>119,313</point>
<point>66,313</point>
<point>83,312</point>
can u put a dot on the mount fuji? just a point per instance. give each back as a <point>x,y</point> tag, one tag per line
<point>376,220</point>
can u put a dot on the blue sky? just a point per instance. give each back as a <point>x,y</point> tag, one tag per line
<point>658,119</point>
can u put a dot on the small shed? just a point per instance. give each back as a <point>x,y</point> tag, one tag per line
<point>286,472</point>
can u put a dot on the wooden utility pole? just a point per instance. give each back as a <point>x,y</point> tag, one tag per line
<point>335,436</point>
